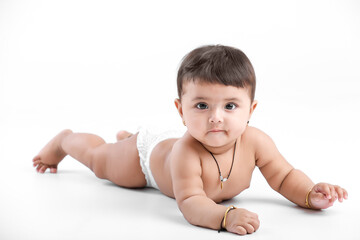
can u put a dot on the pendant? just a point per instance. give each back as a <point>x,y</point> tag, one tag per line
<point>222,179</point>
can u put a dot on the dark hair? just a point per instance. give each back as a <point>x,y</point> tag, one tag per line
<point>217,64</point>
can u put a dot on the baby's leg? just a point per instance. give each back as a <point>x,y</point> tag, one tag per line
<point>123,135</point>
<point>118,162</point>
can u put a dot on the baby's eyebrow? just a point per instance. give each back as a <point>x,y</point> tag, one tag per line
<point>199,98</point>
<point>232,99</point>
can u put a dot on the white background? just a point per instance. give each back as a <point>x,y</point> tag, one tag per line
<point>103,66</point>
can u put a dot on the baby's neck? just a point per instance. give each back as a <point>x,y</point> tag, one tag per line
<point>222,149</point>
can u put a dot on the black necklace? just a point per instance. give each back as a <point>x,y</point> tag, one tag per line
<point>222,179</point>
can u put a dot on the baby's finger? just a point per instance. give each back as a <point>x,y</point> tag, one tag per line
<point>255,223</point>
<point>341,193</point>
<point>345,194</point>
<point>333,194</point>
<point>240,230</point>
<point>317,197</point>
<point>249,228</point>
<point>324,189</point>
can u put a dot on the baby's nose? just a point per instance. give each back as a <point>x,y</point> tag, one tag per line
<point>216,116</point>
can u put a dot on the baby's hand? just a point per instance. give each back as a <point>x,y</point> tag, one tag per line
<point>241,221</point>
<point>323,195</point>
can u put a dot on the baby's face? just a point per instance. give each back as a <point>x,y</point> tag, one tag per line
<point>215,114</point>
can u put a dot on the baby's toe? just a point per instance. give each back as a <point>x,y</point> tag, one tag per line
<point>36,158</point>
<point>53,169</point>
<point>38,167</point>
<point>36,163</point>
<point>43,168</point>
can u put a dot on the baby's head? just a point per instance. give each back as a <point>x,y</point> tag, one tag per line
<point>216,87</point>
<point>219,65</point>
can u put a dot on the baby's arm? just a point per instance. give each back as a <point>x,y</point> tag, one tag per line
<point>292,183</point>
<point>191,198</point>
<point>196,207</point>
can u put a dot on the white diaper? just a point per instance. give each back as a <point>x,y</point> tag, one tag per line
<point>146,141</point>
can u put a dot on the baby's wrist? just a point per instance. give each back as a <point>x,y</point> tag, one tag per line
<point>307,198</point>
<point>225,218</point>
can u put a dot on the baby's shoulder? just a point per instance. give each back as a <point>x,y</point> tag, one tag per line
<point>185,156</point>
<point>255,138</point>
<point>262,145</point>
<point>253,134</point>
<point>186,146</point>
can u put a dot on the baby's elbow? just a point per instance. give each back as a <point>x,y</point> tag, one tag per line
<point>184,202</point>
<point>281,183</point>
<point>187,209</point>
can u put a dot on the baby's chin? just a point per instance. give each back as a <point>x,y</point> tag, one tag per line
<point>218,140</point>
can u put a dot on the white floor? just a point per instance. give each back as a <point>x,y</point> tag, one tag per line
<point>74,204</point>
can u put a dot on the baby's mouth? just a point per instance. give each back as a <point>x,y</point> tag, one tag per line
<point>216,130</point>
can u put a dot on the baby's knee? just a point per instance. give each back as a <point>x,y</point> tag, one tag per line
<point>99,171</point>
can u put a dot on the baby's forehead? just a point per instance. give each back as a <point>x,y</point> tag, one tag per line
<point>199,88</point>
<point>194,84</point>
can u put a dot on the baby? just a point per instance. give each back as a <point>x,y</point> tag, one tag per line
<point>212,162</point>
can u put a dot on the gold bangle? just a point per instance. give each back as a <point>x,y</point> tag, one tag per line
<point>225,215</point>
<point>307,202</point>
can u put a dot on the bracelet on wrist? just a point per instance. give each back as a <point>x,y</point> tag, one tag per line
<point>307,201</point>
<point>223,221</point>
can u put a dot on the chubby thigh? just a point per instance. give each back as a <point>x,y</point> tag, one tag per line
<point>122,165</point>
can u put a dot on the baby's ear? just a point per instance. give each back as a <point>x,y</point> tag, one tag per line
<point>253,106</point>
<point>178,106</point>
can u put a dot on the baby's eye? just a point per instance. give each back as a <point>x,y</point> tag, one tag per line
<point>202,106</point>
<point>230,106</point>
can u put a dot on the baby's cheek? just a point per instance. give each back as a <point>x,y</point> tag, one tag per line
<point>196,131</point>
<point>240,129</point>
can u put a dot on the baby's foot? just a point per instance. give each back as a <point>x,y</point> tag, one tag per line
<point>122,135</point>
<point>51,154</point>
